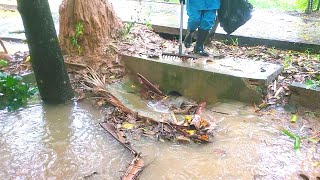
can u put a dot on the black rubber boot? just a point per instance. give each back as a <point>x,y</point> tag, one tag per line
<point>188,39</point>
<point>199,48</point>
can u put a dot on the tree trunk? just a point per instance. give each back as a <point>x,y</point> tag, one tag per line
<point>99,24</point>
<point>46,57</point>
<point>310,7</point>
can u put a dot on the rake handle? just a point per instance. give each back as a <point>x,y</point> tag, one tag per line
<point>181,28</point>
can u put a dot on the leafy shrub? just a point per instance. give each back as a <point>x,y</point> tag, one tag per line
<point>79,29</point>
<point>3,63</point>
<point>13,92</point>
<point>303,4</point>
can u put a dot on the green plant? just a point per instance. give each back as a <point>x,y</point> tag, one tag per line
<point>318,57</point>
<point>312,84</point>
<point>148,24</point>
<point>77,35</point>
<point>311,114</point>
<point>302,5</point>
<point>3,63</point>
<point>127,28</point>
<point>308,52</point>
<point>295,137</point>
<point>235,41</point>
<point>272,51</point>
<point>287,61</point>
<point>231,41</point>
<point>13,92</point>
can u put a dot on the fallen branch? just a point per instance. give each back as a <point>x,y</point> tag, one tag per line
<point>147,84</point>
<point>219,112</point>
<point>75,65</point>
<point>4,55</point>
<point>3,46</point>
<point>278,91</point>
<point>117,135</point>
<point>200,107</point>
<point>137,164</point>
<point>134,169</point>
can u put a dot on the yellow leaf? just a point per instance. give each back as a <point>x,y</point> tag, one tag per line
<point>28,59</point>
<point>191,132</point>
<point>263,105</point>
<point>204,123</point>
<point>315,164</point>
<point>294,118</point>
<point>188,118</point>
<point>127,125</point>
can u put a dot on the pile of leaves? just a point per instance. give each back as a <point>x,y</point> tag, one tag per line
<point>194,127</point>
<point>122,121</point>
<point>141,40</point>
<point>19,63</point>
<point>13,92</point>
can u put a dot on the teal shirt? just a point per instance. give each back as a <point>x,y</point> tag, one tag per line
<point>202,4</point>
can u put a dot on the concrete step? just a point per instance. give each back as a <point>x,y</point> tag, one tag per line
<point>305,96</point>
<point>207,79</point>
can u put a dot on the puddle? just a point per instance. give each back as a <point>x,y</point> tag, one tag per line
<point>66,142</point>
<point>57,142</point>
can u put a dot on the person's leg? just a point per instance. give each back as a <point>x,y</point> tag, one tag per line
<point>207,20</point>
<point>193,24</point>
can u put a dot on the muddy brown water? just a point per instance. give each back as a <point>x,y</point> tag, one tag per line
<point>66,142</point>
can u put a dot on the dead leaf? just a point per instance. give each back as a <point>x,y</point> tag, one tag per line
<point>127,125</point>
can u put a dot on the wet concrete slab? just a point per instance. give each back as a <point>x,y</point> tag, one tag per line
<point>269,28</point>
<point>207,79</point>
<point>305,96</point>
<point>11,25</point>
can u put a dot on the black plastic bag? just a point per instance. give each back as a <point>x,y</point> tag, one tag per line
<point>233,14</point>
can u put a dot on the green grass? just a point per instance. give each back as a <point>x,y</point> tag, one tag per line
<point>285,5</point>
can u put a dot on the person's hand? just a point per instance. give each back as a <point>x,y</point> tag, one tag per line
<point>182,1</point>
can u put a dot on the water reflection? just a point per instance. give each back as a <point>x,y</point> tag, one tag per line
<point>58,121</point>
<point>58,142</point>
<point>22,142</point>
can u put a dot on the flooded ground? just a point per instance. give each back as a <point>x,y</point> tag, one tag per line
<point>57,142</point>
<point>66,142</point>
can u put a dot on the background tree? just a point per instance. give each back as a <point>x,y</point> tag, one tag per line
<point>46,57</point>
<point>308,5</point>
<point>86,27</point>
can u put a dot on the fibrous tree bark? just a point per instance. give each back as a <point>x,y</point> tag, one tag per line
<point>46,57</point>
<point>97,21</point>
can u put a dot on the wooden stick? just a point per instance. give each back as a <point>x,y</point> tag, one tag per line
<point>149,85</point>
<point>4,48</point>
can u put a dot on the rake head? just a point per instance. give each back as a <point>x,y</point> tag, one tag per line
<point>174,56</point>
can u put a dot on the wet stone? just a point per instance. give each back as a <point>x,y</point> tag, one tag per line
<point>183,140</point>
<point>305,96</point>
